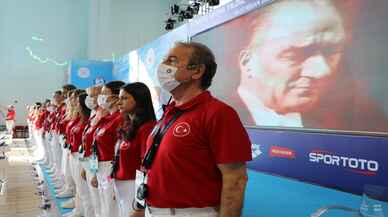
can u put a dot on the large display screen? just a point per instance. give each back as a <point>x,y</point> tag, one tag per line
<point>317,64</point>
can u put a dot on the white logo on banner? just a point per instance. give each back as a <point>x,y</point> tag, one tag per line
<point>83,72</point>
<point>256,151</point>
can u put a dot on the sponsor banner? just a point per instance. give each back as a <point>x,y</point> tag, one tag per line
<point>331,160</point>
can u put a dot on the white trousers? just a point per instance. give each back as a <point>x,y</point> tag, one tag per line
<point>39,152</point>
<point>82,198</point>
<point>125,195</point>
<point>190,212</point>
<point>57,152</point>
<point>105,190</point>
<point>94,195</point>
<point>10,125</point>
<point>49,150</point>
<point>74,167</point>
<point>65,154</point>
<point>68,175</point>
<point>46,148</point>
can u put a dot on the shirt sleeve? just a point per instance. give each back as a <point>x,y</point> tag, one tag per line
<point>228,138</point>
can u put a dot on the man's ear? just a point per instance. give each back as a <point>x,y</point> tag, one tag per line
<point>199,71</point>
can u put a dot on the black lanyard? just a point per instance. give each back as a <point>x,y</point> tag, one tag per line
<point>160,131</point>
<point>116,160</point>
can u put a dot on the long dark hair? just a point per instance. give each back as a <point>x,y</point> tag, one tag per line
<point>85,111</point>
<point>144,111</point>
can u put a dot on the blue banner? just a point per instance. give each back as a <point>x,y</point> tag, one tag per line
<point>121,68</point>
<point>86,73</point>
<point>345,162</point>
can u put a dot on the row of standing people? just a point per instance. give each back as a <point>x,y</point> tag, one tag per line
<point>109,124</point>
<point>102,143</point>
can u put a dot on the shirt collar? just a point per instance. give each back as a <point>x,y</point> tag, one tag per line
<point>201,98</point>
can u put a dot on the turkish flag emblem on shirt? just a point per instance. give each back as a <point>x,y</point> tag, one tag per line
<point>182,129</point>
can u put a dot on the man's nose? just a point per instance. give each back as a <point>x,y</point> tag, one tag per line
<point>316,67</point>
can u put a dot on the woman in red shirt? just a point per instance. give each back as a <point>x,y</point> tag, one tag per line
<point>105,138</point>
<point>73,121</point>
<point>75,142</point>
<point>65,181</point>
<point>139,119</point>
<point>97,117</point>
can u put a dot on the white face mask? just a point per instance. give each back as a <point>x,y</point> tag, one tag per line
<point>51,109</point>
<point>89,102</point>
<point>67,101</point>
<point>166,77</point>
<point>102,101</point>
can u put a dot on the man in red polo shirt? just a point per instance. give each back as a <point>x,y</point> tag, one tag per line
<point>199,167</point>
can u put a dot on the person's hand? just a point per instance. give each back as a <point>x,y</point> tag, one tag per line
<point>83,174</point>
<point>137,213</point>
<point>94,182</point>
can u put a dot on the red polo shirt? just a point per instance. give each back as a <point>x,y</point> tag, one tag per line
<point>41,117</point>
<point>184,172</point>
<point>48,122</point>
<point>88,134</point>
<point>106,136</point>
<point>76,135</point>
<point>11,115</point>
<point>59,116</point>
<point>69,127</point>
<point>132,152</point>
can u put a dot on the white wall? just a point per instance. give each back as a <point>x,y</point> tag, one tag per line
<point>62,23</point>
<point>119,26</point>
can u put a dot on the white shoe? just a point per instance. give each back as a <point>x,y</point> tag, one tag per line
<point>57,178</point>
<point>54,175</point>
<point>65,191</point>
<point>51,170</point>
<point>57,181</point>
<point>58,185</point>
<point>65,195</point>
<point>59,191</point>
<point>69,204</point>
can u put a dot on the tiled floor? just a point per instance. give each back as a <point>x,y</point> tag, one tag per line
<point>19,199</point>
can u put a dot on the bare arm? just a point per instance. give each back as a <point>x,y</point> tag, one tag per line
<point>234,179</point>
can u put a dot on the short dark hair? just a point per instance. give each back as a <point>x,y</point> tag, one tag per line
<point>114,86</point>
<point>68,87</point>
<point>58,92</point>
<point>202,55</point>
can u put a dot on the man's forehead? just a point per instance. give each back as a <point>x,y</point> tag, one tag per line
<point>180,52</point>
<point>294,20</point>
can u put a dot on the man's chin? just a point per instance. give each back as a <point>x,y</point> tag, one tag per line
<point>296,106</point>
